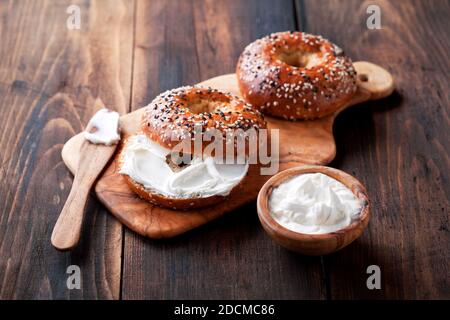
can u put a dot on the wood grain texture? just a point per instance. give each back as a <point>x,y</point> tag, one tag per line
<point>400,153</point>
<point>398,148</point>
<point>230,257</point>
<point>50,77</point>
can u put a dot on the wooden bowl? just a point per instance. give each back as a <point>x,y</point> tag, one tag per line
<point>313,244</point>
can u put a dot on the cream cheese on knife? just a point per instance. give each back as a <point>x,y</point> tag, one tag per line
<point>103,128</point>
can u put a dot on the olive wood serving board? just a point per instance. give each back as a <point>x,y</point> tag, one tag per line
<point>301,142</point>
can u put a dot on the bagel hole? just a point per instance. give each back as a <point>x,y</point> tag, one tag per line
<point>92,129</point>
<point>205,105</point>
<point>298,59</point>
<point>363,77</point>
<point>178,161</point>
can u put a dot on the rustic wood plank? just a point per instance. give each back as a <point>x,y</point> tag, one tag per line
<point>50,77</point>
<point>398,148</point>
<point>180,43</point>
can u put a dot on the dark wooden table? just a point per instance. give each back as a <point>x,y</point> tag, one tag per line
<point>127,52</point>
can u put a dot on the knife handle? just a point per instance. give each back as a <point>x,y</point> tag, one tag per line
<point>93,158</point>
<point>67,230</point>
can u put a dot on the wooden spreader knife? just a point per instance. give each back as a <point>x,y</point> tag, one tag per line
<point>93,159</point>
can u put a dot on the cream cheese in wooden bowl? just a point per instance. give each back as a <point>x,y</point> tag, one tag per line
<point>313,210</point>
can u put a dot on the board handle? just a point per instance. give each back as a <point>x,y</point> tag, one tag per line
<point>373,80</point>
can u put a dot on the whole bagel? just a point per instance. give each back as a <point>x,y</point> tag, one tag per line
<point>179,114</point>
<point>294,75</point>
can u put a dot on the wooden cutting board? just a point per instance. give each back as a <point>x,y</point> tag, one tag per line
<point>302,142</point>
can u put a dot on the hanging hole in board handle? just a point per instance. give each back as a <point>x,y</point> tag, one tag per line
<point>363,77</point>
<point>374,80</point>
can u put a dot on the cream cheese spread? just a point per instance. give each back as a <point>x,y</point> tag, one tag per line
<point>103,128</point>
<point>145,162</point>
<point>314,203</point>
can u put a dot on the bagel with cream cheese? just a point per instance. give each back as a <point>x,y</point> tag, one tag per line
<point>186,115</point>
